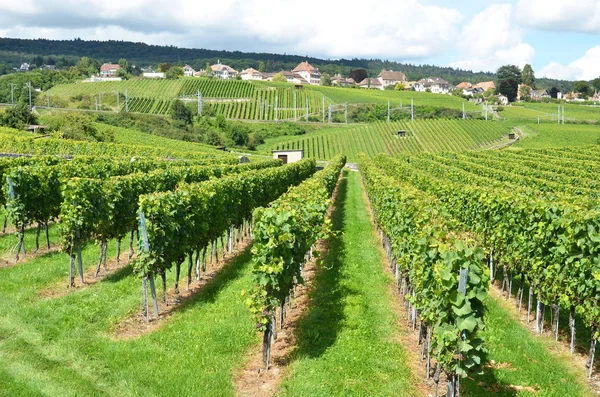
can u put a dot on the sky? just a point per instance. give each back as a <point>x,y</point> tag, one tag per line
<point>561,39</point>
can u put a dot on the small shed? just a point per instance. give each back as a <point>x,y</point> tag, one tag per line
<point>401,133</point>
<point>511,136</point>
<point>243,159</point>
<point>298,86</point>
<point>36,128</point>
<point>289,156</point>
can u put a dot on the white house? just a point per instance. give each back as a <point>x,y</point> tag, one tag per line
<point>503,99</point>
<point>340,81</point>
<point>251,74</point>
<point>188,71</point>
<point>109,70</point>
<point>24,67</point>
<point>371,83</point>
<point>224,72</point>
<point>389,77</point>
<point>308,73</point>
<point>288,156</point>
<point>436,85</point>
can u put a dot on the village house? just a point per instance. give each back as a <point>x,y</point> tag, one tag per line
<point>188,71</point>
<point>109,70</point>
<point>389,77</point>
<point>339,81</point>
<point>24,67</point>
<point>251,74</point>
<point>436,85</point>
<point>538,95</point>
<point>308,73</point>
<point>503,99</point>
<point>371,83</point>
<point>224,72</point>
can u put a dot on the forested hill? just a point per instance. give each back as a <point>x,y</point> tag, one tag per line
<point>14,51</point>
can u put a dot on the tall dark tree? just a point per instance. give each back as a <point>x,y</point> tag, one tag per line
<point>596,83</point>
<point>554,92</point>
<point>528,76</point>
<point>358,75</point>
<point>582,87</point>
<point>180,113</point>
<point>509,78</point>
<point>18,116</point>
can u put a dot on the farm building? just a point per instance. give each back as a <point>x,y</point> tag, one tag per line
<point>436,85</point>
<point>371,83</point>
<point>309,73</point>
<point>153,75</point>
<point>289,156</point>
<point>188,71</point>
<point>109,70</point>
<point>251,74</point>
<point>224,72</point>
<point>389,77</point>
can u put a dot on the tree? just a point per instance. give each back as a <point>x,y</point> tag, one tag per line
<point>261,67</point>
<point>358,75</point>
<point>509,78</point>
<point>326,79</point>
<point>180,113</point>
<point>528,76</point>
<point>3,69</point>
<point>280,78</point>
<point>174,72</point>
<point>123,64</point>
<point>595,83</point>
<point>399,87</point>
<point>84,65</point>
<point>582,87</point>
<point>524,92</point>
<point>553,92</point>
<point>164,67</point>
<point>18,116</point>
<point>38,60</point>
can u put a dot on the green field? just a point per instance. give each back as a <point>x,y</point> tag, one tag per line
<point>381,137</point>
<point>530,111</point>
<point>237,99</point>
<point>553,135</point>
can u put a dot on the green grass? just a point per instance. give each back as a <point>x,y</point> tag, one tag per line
<point>553,135</point>
<point>381,137</point>
<point>347,342</point>
<point>60,347</point>
<point>547,112</point>
<point>521,360</point>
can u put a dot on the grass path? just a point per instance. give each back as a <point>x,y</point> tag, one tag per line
<point>347,343</point>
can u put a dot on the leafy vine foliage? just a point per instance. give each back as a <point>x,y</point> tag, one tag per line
<point>428,253</point>
<point>284,233</point>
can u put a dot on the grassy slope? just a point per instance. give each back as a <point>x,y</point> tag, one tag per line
<point>424,135</point>
<point>553,135</point>
<point>60,347</point>
<point>347,339</point>
<point>521,360</point>
<point>531,110</point>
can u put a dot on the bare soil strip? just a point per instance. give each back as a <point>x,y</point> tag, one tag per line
<point>253,380</point>
<point>61,288</point>
<point>9,259</point>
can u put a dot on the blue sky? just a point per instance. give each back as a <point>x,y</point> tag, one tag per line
<point>560,39</point>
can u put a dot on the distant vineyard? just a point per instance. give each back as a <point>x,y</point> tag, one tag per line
<point>381,137</point>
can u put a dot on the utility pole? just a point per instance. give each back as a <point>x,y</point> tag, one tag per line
<point>346,112</point>
<point>388,117</point>
<point>412,109</point>
<point>276,111</point>
<point>295,113</point>
<point>486,110</point>
<point>563,114</point>
<point>29,85</point>
<point>463,110</point>
<point>12,94</point>
<point>48,100</point>
<point>323,108</point>
<point>96,101</point>
<point>118,104</point>
<point>329,114</point>
<point>199,96</point>
<point>558,114</point>
<point>306,109</point>
<point>538,119</point>
<point>126,101</point>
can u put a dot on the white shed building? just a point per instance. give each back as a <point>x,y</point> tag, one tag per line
<point>289,156</point>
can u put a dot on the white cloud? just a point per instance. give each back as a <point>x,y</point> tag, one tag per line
<point>394,29</point>
<point>560,15</point>
<point>585,68</point>
<point>490,40</point>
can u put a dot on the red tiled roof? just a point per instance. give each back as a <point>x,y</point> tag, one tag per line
<point>109,66</point>
<point>391,75</point>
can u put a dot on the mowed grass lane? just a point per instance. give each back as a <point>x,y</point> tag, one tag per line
<point>64,346</point>
<point>348,340</point>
